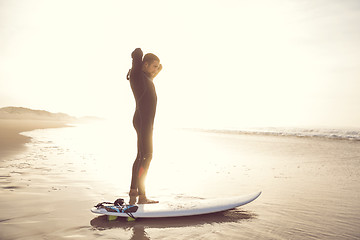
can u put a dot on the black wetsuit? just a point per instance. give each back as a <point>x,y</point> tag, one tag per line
<point>145,96</point>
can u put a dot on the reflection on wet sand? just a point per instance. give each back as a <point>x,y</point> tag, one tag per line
<point>140,226</point>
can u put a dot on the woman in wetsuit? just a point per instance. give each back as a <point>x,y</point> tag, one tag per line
<point>141,76</point>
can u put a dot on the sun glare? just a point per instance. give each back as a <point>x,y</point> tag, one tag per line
<point>231,64</point>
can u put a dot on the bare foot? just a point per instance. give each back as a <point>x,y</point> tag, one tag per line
<point>145,200</point>
<point>132,200</point>
<point>133,196</point>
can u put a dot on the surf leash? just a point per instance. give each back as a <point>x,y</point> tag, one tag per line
<point>118,206</point>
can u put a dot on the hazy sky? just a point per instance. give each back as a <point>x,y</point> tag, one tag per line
<point>227,63</point>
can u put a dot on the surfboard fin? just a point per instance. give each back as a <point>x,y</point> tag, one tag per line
<point>112,218</point>
<point>131,219</point>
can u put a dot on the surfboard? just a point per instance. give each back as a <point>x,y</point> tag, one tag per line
<point>188,207</point>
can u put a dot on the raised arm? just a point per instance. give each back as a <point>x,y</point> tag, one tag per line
<point>157,72</point>
<point>136,55</point>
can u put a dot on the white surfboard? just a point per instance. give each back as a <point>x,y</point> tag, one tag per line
<point>184,208</point>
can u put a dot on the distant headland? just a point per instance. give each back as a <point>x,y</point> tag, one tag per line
<point>21,113</point>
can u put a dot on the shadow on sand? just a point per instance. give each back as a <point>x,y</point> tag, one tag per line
<point>138,227</point>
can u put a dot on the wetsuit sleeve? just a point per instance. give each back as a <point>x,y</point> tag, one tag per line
<point>137,61</point>
<point>136,74</point>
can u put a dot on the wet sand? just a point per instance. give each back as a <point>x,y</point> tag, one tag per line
<point>310,185</point>
<point>11,142</point>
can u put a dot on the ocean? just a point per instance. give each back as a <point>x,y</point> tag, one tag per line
<point>328,133</point>
<point>309,178</point>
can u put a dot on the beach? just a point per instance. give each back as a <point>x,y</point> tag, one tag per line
<point>51,177</point>
<point>10,139</point>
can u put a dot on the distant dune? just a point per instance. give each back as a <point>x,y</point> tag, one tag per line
<point>30,114</point>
